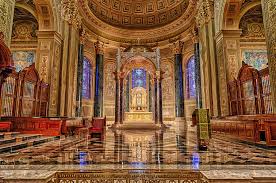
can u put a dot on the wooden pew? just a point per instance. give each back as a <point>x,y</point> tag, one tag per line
<point>29,125</point>
<point>248,128</point>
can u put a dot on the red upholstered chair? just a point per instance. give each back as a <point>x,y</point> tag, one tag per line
<point>5,126</point>
<point>98,127</point>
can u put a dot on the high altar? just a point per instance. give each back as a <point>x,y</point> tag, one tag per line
<point>138,106</point>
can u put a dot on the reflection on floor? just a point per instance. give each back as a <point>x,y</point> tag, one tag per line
<point>173,148</point>
<point>138,148</point>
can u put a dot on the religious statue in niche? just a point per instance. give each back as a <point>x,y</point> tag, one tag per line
<point>139,99</point>
<point>109,81</point>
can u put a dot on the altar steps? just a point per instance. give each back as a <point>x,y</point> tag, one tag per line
<point>14,141</point>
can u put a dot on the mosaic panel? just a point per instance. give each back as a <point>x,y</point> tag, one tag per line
<point>23,59</point>
<point>256,58</point>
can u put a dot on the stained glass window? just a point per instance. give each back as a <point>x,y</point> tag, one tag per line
<point>190,78</point>
<point>86,83</point>
<point>139,78</point>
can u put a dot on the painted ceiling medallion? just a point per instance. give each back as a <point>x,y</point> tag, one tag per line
<point>138,14</point>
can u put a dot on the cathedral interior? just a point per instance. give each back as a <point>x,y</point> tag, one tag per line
<point>137,91</point>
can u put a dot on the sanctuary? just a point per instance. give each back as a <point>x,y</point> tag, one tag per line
<point>137,91</point>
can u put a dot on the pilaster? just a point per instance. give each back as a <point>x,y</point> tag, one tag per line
<point>48,65</point>
<point>227,46</point>
<point>269,15</point>
<point>6,20</point>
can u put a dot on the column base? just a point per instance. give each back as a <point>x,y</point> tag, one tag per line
<point>116,125</point>
<point>161,126</point>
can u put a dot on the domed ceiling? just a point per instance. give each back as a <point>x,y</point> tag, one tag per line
<point>127,21</point>
<point>139,14</point>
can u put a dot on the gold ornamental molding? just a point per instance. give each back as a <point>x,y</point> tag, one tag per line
<point>135,176</point>
<point>123,35</point>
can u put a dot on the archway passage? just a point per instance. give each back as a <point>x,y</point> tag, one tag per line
<point>138,93</point>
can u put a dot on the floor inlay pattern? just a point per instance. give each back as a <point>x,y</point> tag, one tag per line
<point>138,149</point>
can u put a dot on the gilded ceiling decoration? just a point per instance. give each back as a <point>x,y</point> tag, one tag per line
<point>252,24</point>
<point>24,25</point>
<point>138,14</point>
<point>28,2</point>
<point>125,21</point>
<point>247,2</point>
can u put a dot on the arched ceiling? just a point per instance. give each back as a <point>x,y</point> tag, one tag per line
<point>138,14</point>
<point>127,21</point>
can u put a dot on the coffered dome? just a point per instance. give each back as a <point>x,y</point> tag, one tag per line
<point>138,14</point>
<point>127,21</point>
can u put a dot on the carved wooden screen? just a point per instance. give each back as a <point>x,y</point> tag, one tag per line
<point>24,94</point>
<point>233,97</point>
<point>8,95</point>
<point>266,92</point>
<point>44,99</point>
<point>248,80</point>
<point>29,92</point>
<point>251,92</point>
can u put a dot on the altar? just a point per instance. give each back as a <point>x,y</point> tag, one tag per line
<point>138,117</point>
<point>138,107</point>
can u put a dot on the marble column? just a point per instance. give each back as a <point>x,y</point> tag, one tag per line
<point>121,100</point>
<point>71,25</point>
<point>155,101</point>
<point>179,94</point>
<point>98,97</point>
<point>159,98</point>
<point>269,16</point>
<point>127,94</point>
<point>117,98</point>
<point>6,21</point>
<point>80,75</point>
<point>197,75</point>
<point>150,94</point>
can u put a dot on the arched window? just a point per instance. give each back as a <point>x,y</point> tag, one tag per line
<point>86,83</point>
<point>190,78</point>
<point>139,78</point>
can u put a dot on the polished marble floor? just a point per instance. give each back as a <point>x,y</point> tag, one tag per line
<point>140,148</point>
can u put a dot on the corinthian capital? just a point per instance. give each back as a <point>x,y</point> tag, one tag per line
<point>178,47</point>
<point>205,12</point>
<point>99,47</point>
<point>69,12</point>
<point>83,36</point>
